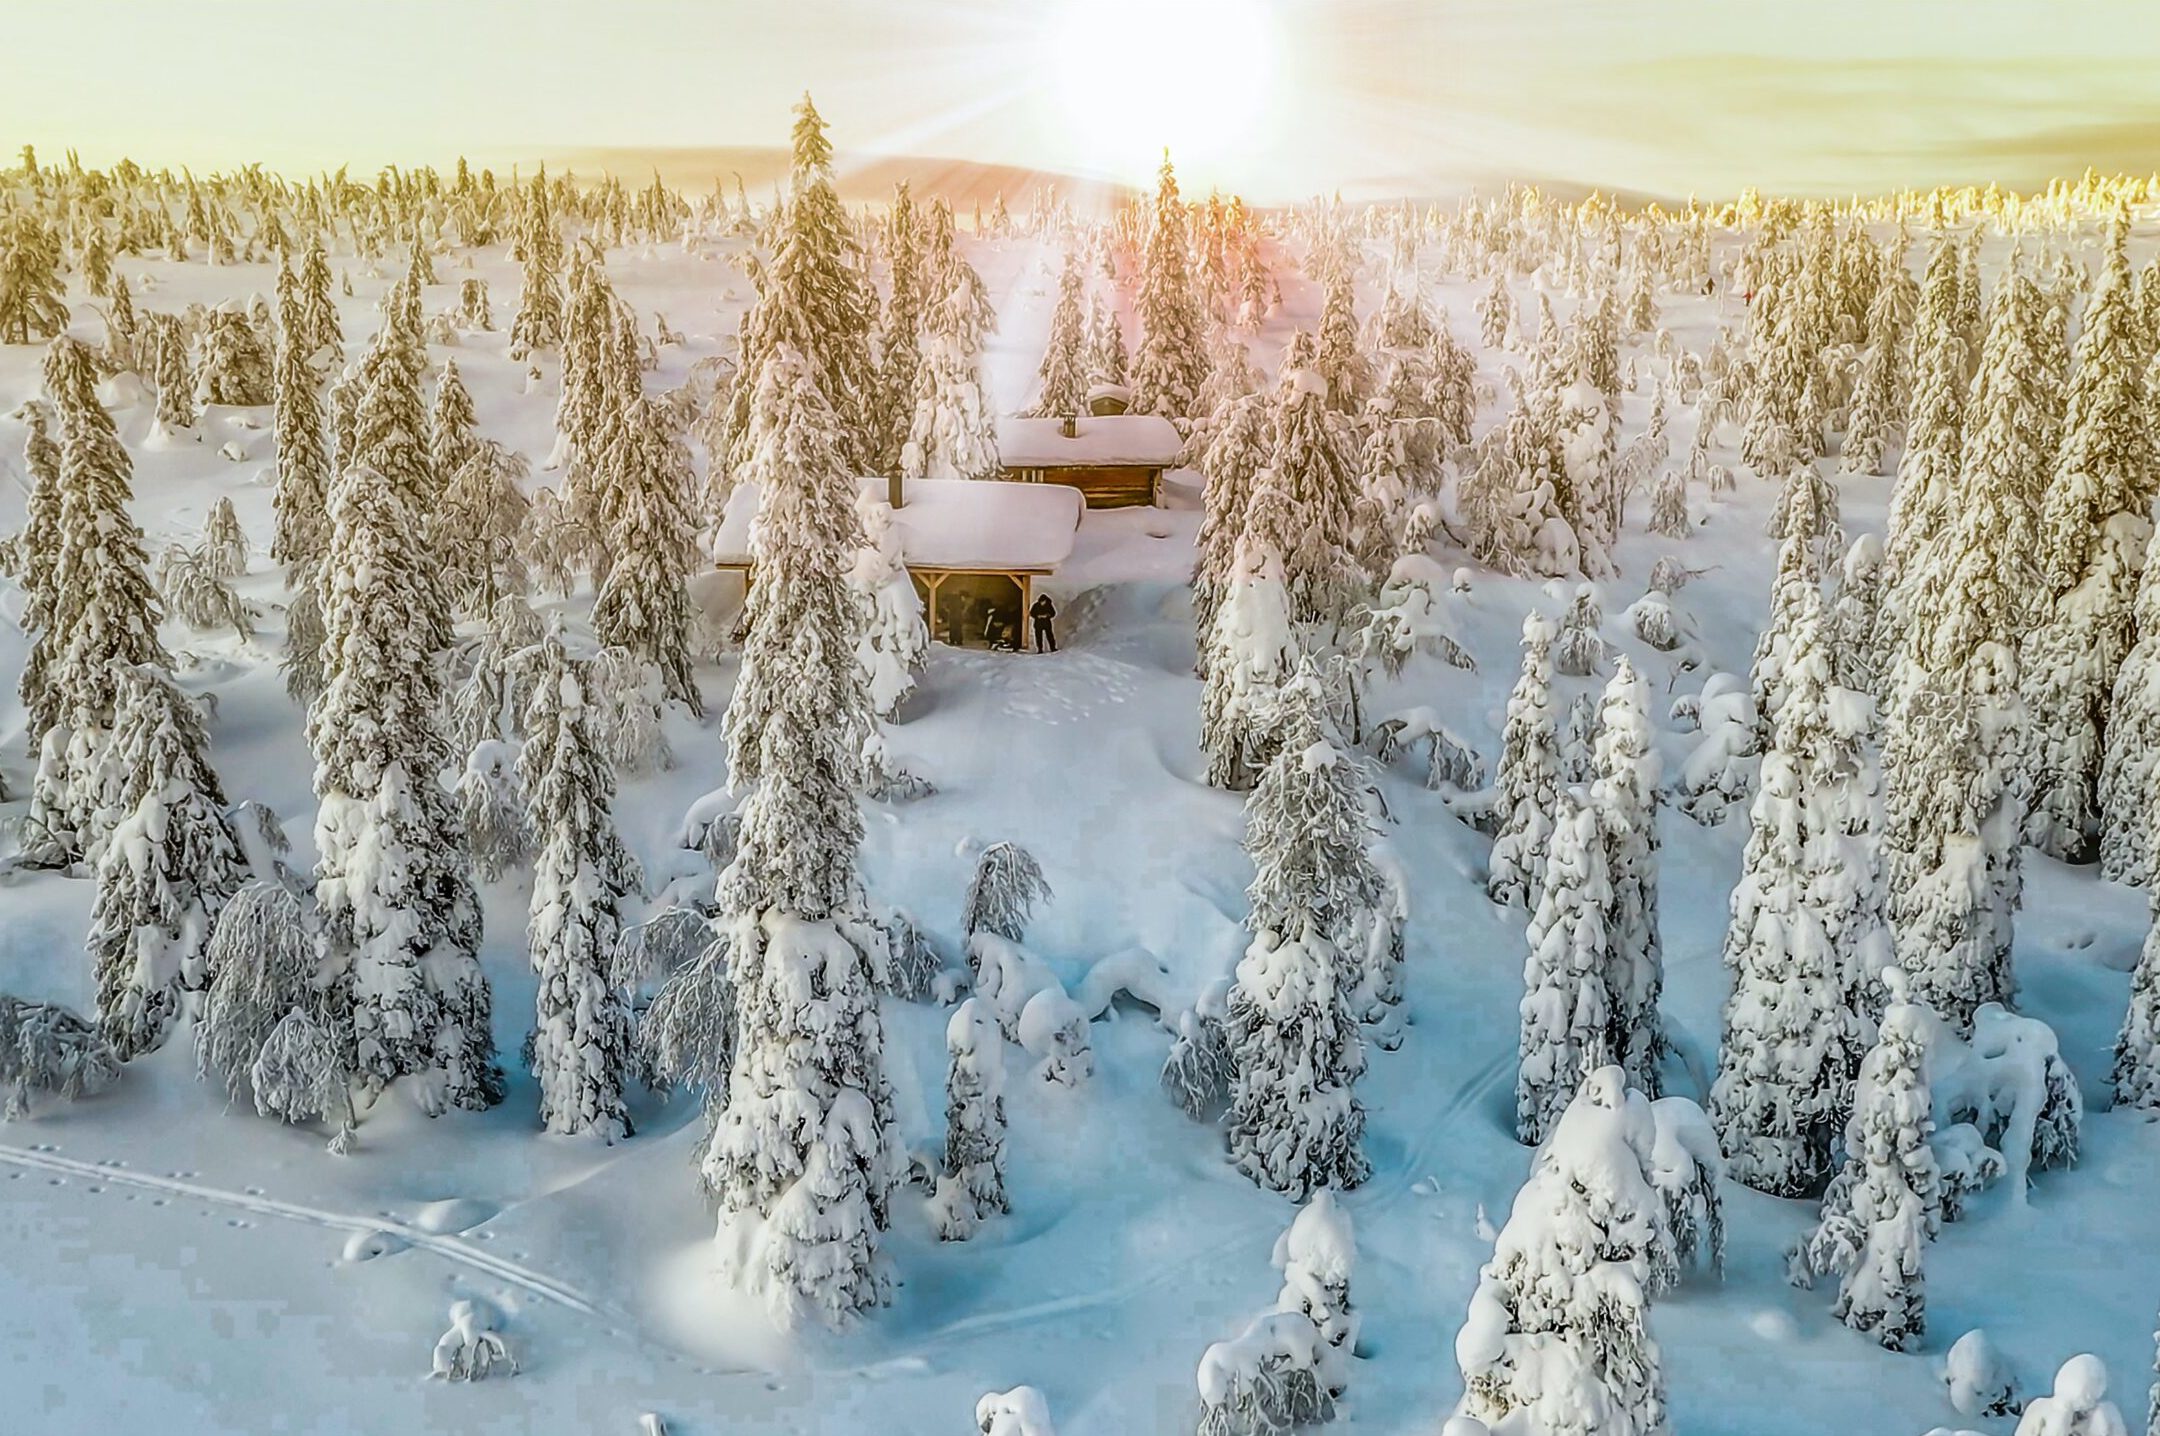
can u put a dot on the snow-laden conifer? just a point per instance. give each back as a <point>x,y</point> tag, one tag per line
<point>582,875</point>
<point>1295,1122</point>
<point>1879,1214</point>
<point>393,887</point>
<point>973,1185</point>
<point>1558,1330</point>
<point>1527,781</point>
<point>1172,360</point>
<point>1806,931</point>
<point>1626,798</point>
<point>166,861</point>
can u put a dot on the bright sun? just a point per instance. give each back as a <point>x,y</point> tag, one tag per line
<point>1134,76</point>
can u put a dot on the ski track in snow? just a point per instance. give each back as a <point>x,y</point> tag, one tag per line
<point>1425,1138</point>
<point>449,1248</point>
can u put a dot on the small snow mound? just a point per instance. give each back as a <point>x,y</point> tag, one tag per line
<point>1772,1325</point>
<point>366,1246</point>
<point>457,1214</point>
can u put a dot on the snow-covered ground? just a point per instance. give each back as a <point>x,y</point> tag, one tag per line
<point>169,1264</point>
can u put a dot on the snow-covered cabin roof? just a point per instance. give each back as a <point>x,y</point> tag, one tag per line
<point>1103,441</point>
<point>992,524</point>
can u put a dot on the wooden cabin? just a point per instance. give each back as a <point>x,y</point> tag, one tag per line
<point>974,548</point>
<point>1116,460</point>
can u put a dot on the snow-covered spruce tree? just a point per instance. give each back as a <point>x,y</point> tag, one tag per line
<point>481,528</point>
<point>235,368</point>
<point>814,309</point>
<point>805,1154</point>
<point>1340,360</point>
<point>1626,798</point>
<point>176,411</point>
<point>1527,782</point>
<point>1950,831</point>
<point>103,611</point>
<point>313,327</point>
<point>1251,652</point>
<point>393,887</point>
<point>1879,1215</point>
<point>1172,360</point>
<point>165,865</point>
<point>2132,752</point>
<point>1312,458</point>
<point>2067,672</point>
<point>954,433</point>
<point>37,560</point>
<point>124,333</point>
<point>899,335</point>
<point>895,639</point>
<point>642,604</point>
<point>1295,1121</point>
<point>32,303</point>
<point>2136,1074</point>
<point>582,874</point>
<point>2106,463</point>
<point>1855,617</point>
<point>1232,462</point>
<point>451,424</point>
<point>224,548</point>
<point>1806,932</point>
<point>1106,344</point>
<point>1567,1007</point>
<point>539,318</point>
<point>1064,361</point>
<point>1927,477</point>
<point>1002,895</point>
<point>1559,1328</point>
<point>1877,412</point>
<point>973,1185</point>
<point>390,436</point>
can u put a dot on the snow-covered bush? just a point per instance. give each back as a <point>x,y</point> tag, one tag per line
<point>1721,768</point>
<point>1579,652</point>
<point>1410,616</point>
<point>496,827</point>
<point>1007,976</point>
<point>1280,1374</point>
<point>299,1076</point>
<point>1198,1071</point>
<point>46,1048</point>
<point>915,968</point>
<point>1557,1340</point>
<point>2077,1407</point>
<point>194,592</point>
<point>973,1184</point>
<point>630,704</point>
<point>1002,895</point>
<point>473,1346</point>
<point>895,639</point>
<point>1686,1168</point>
<point>1977,1377</point>
<point>1021,1411</point>
<point>1054,1030</point>
<point>1451,764</point>
<point>1317,1255</point>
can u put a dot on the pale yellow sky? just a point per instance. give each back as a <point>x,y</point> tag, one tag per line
<point>1295,96</point>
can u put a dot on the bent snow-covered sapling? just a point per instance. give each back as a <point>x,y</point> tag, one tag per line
<point>472,1347</point>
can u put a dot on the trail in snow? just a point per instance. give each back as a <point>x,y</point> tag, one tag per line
<point>449,1248</point>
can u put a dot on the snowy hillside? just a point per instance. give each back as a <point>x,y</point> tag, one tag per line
<point>172,1261</point>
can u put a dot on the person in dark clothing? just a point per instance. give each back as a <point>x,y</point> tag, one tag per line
<point>1044,612</point>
